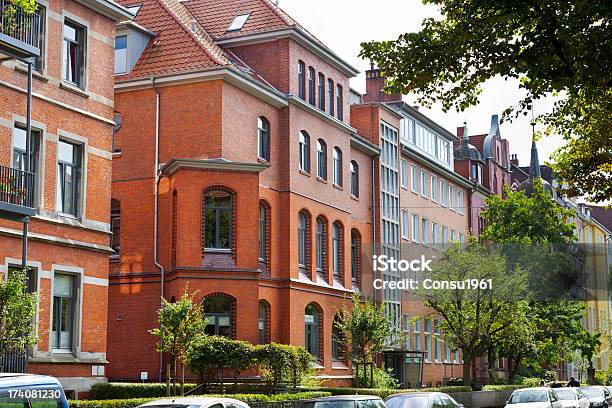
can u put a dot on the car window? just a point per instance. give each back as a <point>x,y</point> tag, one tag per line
<point>235,405</point>
<point>526,396</point>
<point>6,402</point>
<point>407,402</point>
<point>373,403</point>
<point>437,402</point>
<point>592,392</point>
<point>335,404</point>
<point>552,396</point>
<point>565,394</point>
<point>218,405</point>
<point>447,402</point>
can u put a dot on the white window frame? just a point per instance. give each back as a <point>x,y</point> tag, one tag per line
<point>425,231</point>
<point>415,227</point>
<point>443,193</point>
<point>434,235</point>
<point>405,225</point>
<point>424,184</point>
<point>414,179</point>
<point>434,188</point>
<point>78,274</point>
<point>460,201</point>
<point>404,174</point>
<point>452,194</point>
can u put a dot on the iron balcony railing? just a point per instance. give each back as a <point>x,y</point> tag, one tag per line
<point>19,25</point>
<point>17,186</point>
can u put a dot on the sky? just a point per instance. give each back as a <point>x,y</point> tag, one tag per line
<point>343,24</point>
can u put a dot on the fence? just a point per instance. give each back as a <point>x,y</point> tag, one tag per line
<point>18,24</point>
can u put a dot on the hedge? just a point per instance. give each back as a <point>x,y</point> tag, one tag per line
<point>503,387</point>
<point>385,392</point>
<point>248,398</point>
<point>109,390</point>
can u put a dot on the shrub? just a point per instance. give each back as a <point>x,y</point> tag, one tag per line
<point>385,392</point>
<point>209,356</point>
<point>384,379</point>
<point>600,377</point>
<point>281,363</point>
<point>504,387</point>
<point>109,391</point>
<point>531,382</point>
<point>248,398</point>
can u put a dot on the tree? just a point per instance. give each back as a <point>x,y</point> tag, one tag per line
<point>368,330</point>
<point>180,325</point>
<point>17,312</point>
<point>475,318</point>
<point>558,47</point>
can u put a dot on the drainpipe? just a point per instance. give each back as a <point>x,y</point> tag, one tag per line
<point>24,243</point>
<point>374,211</point>
<point>155,212</point>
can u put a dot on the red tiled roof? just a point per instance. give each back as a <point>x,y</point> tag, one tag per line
<point>478,142</point>
<point>176,48</point>
<point>217,15</point>
<point>603,215</point>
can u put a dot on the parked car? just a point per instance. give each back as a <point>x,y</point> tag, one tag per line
<point>28,390</point>
<point>538,397</point>
<point>196,402</point>
<point>572,397</point>
<point>422,400</point>
<point>598,396</point>
<point>345,401</point>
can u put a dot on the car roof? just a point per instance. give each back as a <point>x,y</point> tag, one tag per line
<point>191,401</point>
<point>534,389</point>
<point>416,394</point>
<point>16,379</point>
<point>346,398</point>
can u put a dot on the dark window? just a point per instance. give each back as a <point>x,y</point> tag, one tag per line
<point>337,341</point>
<point>263,322</point>
<point>263,139</point>
<point>304,151</point>
<point>337,176</point>
<point>115,221</point>
<point>262,231</point>
<point>64,301</point>
<point>302,80</point>
<point>330,97</point>
<point>218,315</point>
<point>321,159</point>
<point>217,220</point>
<point>355,255</point>
<point>354,179</point>
<point>311,85</point>
<point>74,53</point>
<point>311,320</point>
<point>68,177</point>
<point>39,60</point>
<point>19,149</point>
<point>337,245</point>
<point>302,239</point>
<point>321,91</point>
<point>321,243</point>
<point>339,102</point>
<point>31,276</point>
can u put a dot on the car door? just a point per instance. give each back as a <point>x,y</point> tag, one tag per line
<point>554,400</point>
<point>607,396</point>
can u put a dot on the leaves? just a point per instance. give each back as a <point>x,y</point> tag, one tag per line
<point>17,312</point>
<point>550,46</point>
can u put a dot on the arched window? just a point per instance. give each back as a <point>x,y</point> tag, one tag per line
<point>303,239</point>
<point>321,245</point>
<point>311,85</point>
<point>174,228</point>
<point>219,315</point>
<point>321,159</point>
<point>263,138</point>
<point>337,177</point>
<point>354,178</point>
<point>355,255</point>
<point>264,212</point>
<point>304,152</point>
<point>313,331</point>
<point>264,322</point>
<point>337,341</point>
<point>337,246</point>
<point>115,220</point>
<point>217,219</point>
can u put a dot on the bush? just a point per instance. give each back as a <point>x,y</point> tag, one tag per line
<point>209,356</point>
<point>531,382</point>
<point>248,398</point>
<point>385,392</point>
<point>281,363</point>
<point>504,387</point>
<point>384,379</point>
<point>600,377</point>
<point>109,391</point>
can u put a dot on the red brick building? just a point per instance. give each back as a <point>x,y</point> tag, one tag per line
<point>55,170</point>
<point>235,171</point>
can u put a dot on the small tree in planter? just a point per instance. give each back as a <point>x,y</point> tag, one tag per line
<point>17,311</point>
<point>281,363</point>
<point>180,325</point>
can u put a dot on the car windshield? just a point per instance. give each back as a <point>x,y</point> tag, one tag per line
<point>334,404</point>
<point>592,392</point>
<point>521,397</point>
<point>407,402</point>
<point>565,394</point>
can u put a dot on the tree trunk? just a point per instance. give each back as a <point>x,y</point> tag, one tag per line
<point>182,379</point>
<point>174,377</point>
<point>168,376</point>
<point>467,365</point>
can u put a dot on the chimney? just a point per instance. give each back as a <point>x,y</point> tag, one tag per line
<point>460,132</point>
<point>375,83</point>
<point>514,160</point>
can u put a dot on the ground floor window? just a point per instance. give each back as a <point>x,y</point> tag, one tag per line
<point>64,302</point>
<point>311,320</point>
<point>218,311</point>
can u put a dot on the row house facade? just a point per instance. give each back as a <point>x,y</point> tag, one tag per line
<point>237,173</point>
<point>422,207</point>
<point>56,124</point>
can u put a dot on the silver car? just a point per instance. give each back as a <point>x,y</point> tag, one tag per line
<point>540,397</point>
<point>195,402</point>
<point>572,397</point>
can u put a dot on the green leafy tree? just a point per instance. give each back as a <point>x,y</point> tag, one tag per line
<point>474,318</point>
<point>368,330</point>
<point>283,363</point>
<point>17,311</point>
<point>180,325</point>
<point>558,47</point>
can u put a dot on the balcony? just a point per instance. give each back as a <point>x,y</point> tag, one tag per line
<point>16,193</point>
<point>19,32</point>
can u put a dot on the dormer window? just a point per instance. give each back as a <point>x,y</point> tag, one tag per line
<point>238,22</point>
<point>121,54</point>
<point>134,9</point>
<point>476,173</point>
